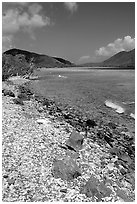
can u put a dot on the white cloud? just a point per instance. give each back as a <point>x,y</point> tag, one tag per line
<point>84,58</point>
<point>23,18</point>
<point>71,6</point>
<point>13,21</point>
<point>34,8</point>
<point>125,44</point>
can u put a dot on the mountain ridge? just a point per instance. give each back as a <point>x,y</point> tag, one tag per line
<point>121,59</point>
<point>22,62</point>
<point>40,60</point>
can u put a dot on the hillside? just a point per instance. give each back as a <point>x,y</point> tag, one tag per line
<point>122,60</point>
<point>21,62</point>
<point>40,60</point>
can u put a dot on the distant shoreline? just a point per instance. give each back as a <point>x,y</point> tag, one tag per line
<point>108,68</point>
<point>86,68</point>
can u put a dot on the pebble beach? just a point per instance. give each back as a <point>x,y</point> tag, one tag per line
<point>32,140</point>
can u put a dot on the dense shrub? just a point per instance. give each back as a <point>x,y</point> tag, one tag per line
<point>14,65</point>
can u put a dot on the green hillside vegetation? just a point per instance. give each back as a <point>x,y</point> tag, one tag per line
<point>14,65</point>
<point>19,62</point>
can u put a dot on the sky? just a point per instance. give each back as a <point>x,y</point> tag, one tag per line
<point>80,32</point>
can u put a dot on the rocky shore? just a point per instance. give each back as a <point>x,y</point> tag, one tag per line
<point>54,154</point>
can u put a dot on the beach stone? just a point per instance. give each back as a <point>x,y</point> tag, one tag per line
<point>90,123</point>
<point>63,190</point>
<point>11,181</point>
<point>110,166</point>
<point>109,140</point>
<point>95,188</point>
<point>114,151</point>
<point>100,134</point>
<point>125,158</point>
<point>43,121</point>
<point>5,176</point>
<point>112,125</point>
<point>18,101</point>
<point>90,188</point>
<point>66,169</point>
<point>123,171</point>
<point>75,141</point>
<point>122,194</point>
<point>8,93</point>
<point>23,96</point>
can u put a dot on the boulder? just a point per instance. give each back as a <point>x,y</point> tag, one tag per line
<point>66,169</point>
<point>23,96</point>
<point>95,188</point>
<point>75,141</point>
<point>90,188</point>
<point>125,158</point>
<point>8,93</point>
<point>18,101</point>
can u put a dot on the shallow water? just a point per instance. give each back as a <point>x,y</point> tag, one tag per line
<point>88,89</point>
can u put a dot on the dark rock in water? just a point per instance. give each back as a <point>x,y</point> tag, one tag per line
<point>24,89</point>
<point>8,93</point>
<point>46,103</point>
<point>112,125</point>
<point>18,101</point>
<point>66,169</point>
<point>23,96</point>
<point>75,141</point>
<point>90,123</point>
<point>95,188</point>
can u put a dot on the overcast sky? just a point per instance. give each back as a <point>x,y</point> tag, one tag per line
<point>79,32</point>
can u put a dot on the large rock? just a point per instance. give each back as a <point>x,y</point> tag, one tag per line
<point>95,188</point>
<point>8,93</point>
<point>75,141</point>
<point>18,101</point>
<point>66,169</point>
<point>23,96</point>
